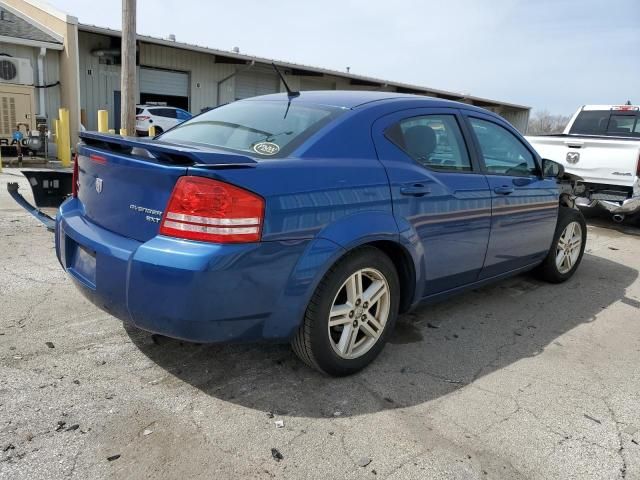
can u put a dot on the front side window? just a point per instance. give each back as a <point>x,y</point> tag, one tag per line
<point>434,141</point>
<point>266,128</point>
<point>502,152</point>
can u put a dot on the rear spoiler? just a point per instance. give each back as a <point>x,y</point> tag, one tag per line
<point>169,152</point>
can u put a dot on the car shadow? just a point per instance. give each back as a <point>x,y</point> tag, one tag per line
<point>435,349</point>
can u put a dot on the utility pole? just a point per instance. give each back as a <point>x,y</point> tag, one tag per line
<point>128,77</point>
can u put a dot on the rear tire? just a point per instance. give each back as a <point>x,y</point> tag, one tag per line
<point>567,248</point>
<point>346,326</point>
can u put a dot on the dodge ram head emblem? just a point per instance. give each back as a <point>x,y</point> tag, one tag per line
<point>573,157</point>
<point>99,185</point>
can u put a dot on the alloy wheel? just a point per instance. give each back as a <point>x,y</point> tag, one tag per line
<point>359,313</point>
<point>568,247</point>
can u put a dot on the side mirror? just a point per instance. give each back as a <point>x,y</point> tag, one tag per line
<point>552,169</point>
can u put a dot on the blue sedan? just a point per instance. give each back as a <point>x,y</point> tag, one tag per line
<point>314,218</point>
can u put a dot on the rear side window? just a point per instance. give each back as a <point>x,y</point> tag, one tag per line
<point>163,112</point>
<point>265,128</point>
<point>606,123</point>
<point>502,152</point>
<point>434,141</point>
<point>139,110</point>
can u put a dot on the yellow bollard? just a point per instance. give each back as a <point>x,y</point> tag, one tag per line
<point>64,145</point>
<point>103,121</point>
<point>123,132</point>
<point>112,131</point>
<point>152,131</point>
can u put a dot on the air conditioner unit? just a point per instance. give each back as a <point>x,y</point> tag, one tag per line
<point>16,70</point>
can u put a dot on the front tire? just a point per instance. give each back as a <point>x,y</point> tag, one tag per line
<point>567,248</point>
<point>351,314</point>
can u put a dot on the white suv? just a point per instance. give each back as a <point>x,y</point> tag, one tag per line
<point>163,118</point>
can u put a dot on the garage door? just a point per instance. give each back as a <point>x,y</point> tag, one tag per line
<point>250,84</point>
<point>163,82</point>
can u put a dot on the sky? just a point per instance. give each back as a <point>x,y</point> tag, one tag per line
<point>551,55</point>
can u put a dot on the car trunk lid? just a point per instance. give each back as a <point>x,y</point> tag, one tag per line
<point>125,183</point>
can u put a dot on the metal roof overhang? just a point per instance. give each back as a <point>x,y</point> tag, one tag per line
<point>241,58</point>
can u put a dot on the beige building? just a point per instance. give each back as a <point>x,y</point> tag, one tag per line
<point>48,60</point>
<point>38,65</point>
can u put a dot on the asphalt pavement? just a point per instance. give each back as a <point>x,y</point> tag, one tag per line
<point>520,379</point>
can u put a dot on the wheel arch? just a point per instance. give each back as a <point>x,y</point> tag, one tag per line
<point>331,245</point>
<point>380,229</point>
<point>405,268</point>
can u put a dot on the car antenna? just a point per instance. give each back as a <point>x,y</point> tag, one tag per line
<point>290,93</point>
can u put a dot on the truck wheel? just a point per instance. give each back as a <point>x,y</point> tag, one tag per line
<point>351,314</point>
<point>567,247</point>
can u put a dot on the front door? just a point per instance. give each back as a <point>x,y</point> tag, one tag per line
<point>524,204</point>
<point>438,192</point>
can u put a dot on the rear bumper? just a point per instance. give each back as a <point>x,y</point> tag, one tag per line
<point>630,206</point>
<point>45,219</point>
<point>189,290</point>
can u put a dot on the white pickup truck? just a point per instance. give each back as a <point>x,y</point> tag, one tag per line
<point>601,145</point>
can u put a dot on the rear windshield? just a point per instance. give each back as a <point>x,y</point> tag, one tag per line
<point>262,128</point>
<point>606,123</point>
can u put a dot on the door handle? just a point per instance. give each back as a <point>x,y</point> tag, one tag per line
<point>504,190</point>
<point>415,190</point>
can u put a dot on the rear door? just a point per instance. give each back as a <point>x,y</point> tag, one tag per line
<point>524,205</point>
<point>438,191</point>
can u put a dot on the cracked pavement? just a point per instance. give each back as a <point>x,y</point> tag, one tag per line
<point>516,380</point>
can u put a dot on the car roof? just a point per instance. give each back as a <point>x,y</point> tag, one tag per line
<point>614,108</point>
<point>157,106</point>
<point>356,98</point>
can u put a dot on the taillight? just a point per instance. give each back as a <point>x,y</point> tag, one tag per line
<point>98,159</point>
<point>142,117</point>
<point>75,186</point>
<point>212,211</point>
